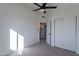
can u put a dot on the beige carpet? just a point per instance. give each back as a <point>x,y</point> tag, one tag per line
<point>42,49</point>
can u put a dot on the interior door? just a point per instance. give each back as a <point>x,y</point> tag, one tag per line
<point>48,39</point>
<point>42,31</point>
<point>65,33</point>
<point>77,35</point>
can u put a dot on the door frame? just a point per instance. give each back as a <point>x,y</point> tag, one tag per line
<point>39,30</point>
<point>75,33</point>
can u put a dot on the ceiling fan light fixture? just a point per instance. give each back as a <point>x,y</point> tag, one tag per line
<point>42,10</point>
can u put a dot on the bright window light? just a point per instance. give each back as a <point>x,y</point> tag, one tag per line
<point>13,40</point>
<point>20,43</point>
<point>16,41</point>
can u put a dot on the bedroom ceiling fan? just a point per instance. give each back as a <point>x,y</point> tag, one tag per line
<point>44,7</point>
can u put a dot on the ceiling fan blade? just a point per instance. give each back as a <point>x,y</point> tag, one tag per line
<point>51,7</point>
<point>44,4</point>
<point>36,9</point>
<point>37,4</point>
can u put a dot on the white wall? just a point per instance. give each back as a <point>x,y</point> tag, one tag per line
<point>20,18</point>
<point>64,10</point>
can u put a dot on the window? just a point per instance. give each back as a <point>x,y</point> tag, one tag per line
<point>16,41</point>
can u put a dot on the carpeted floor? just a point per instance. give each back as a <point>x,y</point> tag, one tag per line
<point>42,49</point>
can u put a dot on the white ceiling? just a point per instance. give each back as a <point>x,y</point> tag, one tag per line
<point>59,6</point>
<point>35,7</point>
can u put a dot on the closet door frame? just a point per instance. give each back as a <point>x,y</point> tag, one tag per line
<point>75,32</point>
